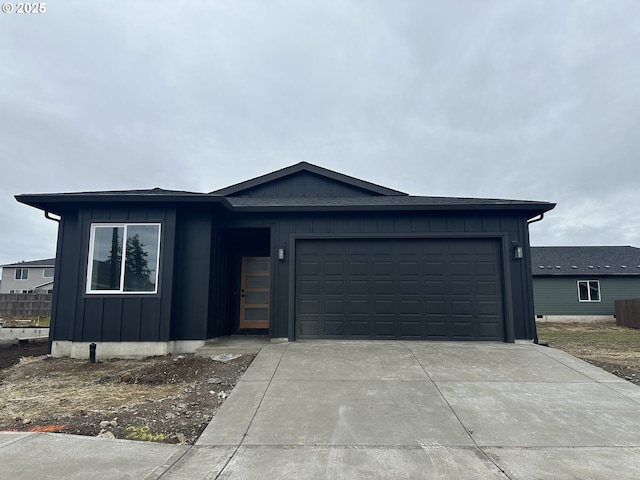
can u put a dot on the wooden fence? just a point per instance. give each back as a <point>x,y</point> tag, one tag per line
<point>25,305</point>
<point>628,313</point>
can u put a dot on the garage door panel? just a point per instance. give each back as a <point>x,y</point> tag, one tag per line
<point>384,307</point>
<point>310,287</point>
<point>358,307</point>
<point>360,328</point>
<point>435,268</point>
<point>383,287</point>
<point>392,288</point>
<point>488,330</point>
<point>463,330</point>
<point>435,287</point>
<point>408,268</point>
<point>436,307</point>
<point>461,288</point>
<point>486,268</point>
<point>334,268</point>
<point>385,329</point>
<point>309,329</point>
<point>358,268</point>
<point>410,307</point>
<point>461,307</point>
<point>308,268</point>
<point>486,288</point>
<point>408,287</point>
<point>334,307</point>
<point>438,329</point>
<point>487,308</point>
<point>334,327</point>
<point>334,287</point>
<point>411,330</point>
<point>383,268</point>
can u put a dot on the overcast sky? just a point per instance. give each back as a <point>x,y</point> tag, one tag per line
<point>531,100</point>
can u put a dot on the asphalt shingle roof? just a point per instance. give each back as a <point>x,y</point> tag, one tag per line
<point>47,262</point>
<point>591,261</point>
<point>377,201</point>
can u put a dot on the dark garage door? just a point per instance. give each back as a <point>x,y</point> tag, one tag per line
<point>449,289</point>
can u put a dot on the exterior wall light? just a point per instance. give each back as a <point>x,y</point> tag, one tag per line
<point>281,252</point>
<point>518,253</point>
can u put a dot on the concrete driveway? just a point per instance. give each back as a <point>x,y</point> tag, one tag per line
<point>381,410</point>
<point>421,410</point>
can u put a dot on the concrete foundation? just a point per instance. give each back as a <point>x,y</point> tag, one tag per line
<point>575,318</point>
<point>106,350</point>
<point>23,332</point>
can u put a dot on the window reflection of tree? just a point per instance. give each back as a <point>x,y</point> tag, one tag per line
<point>137,276</point>
<point>114,266</point>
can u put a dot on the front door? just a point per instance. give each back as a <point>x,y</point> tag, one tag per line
<point>254,294</point>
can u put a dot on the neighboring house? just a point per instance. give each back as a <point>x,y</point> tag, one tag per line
<point>28,277</point>
<point>583,283</point>
<point>300,253</point>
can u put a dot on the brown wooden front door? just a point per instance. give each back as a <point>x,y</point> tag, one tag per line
<point>255,292</point>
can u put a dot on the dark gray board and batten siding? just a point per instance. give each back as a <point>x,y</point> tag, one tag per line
<point>83,317</point>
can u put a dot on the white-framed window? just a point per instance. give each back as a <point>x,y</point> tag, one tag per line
<point>22,274</point>
<point>589,290</point>
<point>47,273</point>
<point>123,258</point>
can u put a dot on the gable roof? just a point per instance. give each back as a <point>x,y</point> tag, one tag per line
<point>46,263</point>
<point>306,167</point>
<point>585,261</point>
<point>373,198</point>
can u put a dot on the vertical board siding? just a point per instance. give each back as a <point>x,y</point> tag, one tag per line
<point>121,317</point>
<point>194,296</point>
<point>112,319</point>
<point>191,308</point>
<point>131,314</point>
<point>304,184</point>
<point>559,295</point>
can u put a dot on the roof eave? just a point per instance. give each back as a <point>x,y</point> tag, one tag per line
<point>531,209</point>
<point>55,203</point>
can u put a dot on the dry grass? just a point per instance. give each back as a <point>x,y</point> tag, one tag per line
<point>70,387</point>
<point>596,342</point>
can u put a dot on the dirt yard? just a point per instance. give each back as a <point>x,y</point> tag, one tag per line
<point>172,399</point>
<point>162,399</point>
<point>614,349</point>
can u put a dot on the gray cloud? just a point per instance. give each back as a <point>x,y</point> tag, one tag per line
<point>526,100</point>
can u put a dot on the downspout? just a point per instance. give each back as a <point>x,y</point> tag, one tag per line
<point>529,222</point>
<point>48,216</point>
<point>534,220</point>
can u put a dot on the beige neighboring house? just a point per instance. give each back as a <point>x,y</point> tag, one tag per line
<point>28,277</point>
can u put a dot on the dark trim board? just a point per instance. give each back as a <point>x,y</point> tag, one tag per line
<point>501,301</point>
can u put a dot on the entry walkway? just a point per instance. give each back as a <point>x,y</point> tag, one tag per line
<point>402,410</point>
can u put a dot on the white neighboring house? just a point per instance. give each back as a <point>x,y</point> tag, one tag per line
<point>28,277</point>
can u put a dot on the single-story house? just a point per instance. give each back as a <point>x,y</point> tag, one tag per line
<point>299,253</point>
<point>34,276</point>
<point>583,283</point>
